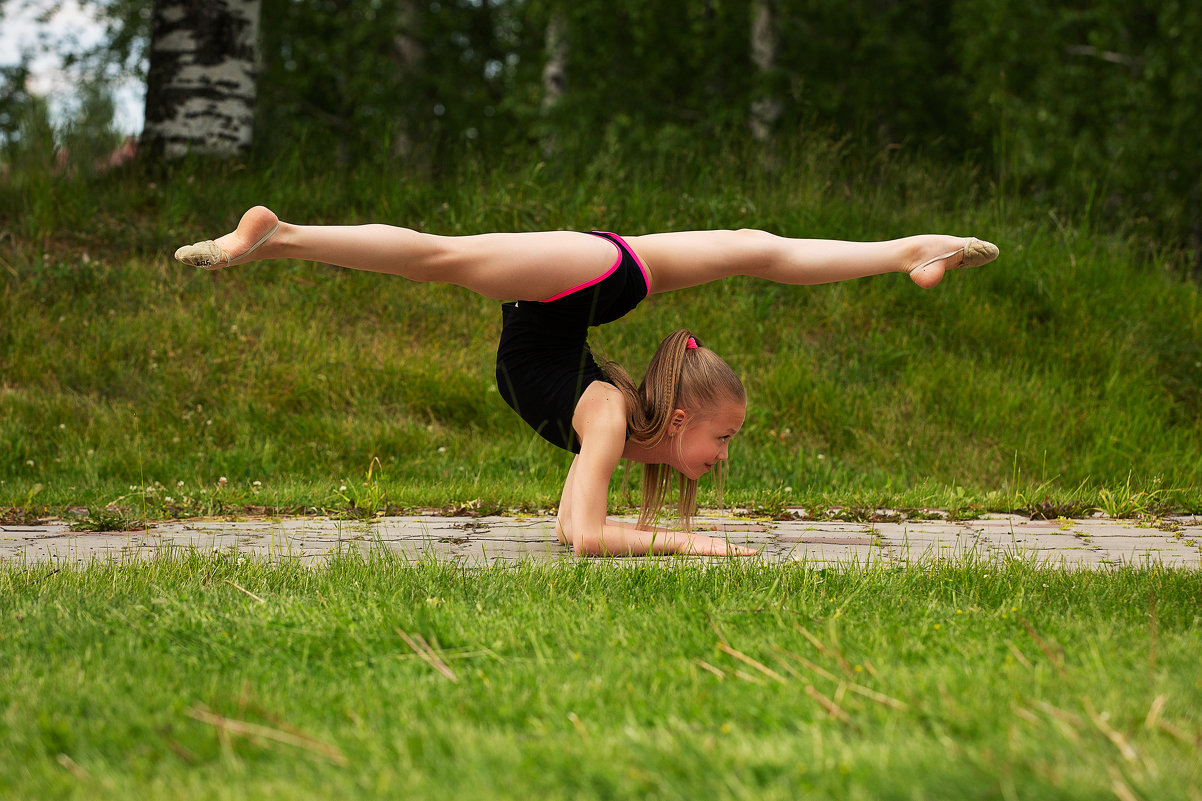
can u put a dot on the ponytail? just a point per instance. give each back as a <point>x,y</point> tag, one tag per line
<point>681,375</point>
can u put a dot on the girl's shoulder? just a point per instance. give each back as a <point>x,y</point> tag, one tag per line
<point>601,409</point>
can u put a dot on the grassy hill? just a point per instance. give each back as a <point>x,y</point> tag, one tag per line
<point>1065,376</point>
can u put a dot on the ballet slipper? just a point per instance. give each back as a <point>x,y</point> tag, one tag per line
<point>976,253</point>
<point>211,256</point>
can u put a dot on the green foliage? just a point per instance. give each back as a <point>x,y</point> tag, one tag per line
<point>1091,106</point>
<point>15,101</point>
<point>1091,109</point>
<point>336,80</point>
<point>33,147</point>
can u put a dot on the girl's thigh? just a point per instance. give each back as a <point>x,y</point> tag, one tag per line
<point>522,266</point>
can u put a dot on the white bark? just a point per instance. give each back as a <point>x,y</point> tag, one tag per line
<point>200,94</point>
<point>408,52</point>
<point>765,41</point>
<point>555,71</point>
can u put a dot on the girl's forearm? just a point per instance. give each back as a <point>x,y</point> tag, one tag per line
<point>623,539</point>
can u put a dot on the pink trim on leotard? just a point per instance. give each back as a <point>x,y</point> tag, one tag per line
<point>609,272</point>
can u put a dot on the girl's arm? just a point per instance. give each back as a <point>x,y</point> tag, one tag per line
<point>669,541</point>
<point>600,420</point>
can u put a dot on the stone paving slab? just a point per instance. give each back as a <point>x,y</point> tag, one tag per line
<point>486,541</point>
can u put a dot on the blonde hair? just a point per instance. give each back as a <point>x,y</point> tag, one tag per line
<point>694,379</point>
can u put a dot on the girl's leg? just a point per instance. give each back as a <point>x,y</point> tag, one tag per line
<point>524,266</point>
<point>689,258</point>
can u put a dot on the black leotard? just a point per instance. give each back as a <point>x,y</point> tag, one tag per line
<point>543,360</point>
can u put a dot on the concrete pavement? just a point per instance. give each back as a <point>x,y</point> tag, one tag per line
<point>1095,543</point>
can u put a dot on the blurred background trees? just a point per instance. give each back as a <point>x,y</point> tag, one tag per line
<point>1085,106</point>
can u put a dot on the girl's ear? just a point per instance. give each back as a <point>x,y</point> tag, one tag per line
<point>676,424</point>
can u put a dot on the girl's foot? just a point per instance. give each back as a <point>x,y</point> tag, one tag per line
<point>254,230</point>
<point>970,252</point>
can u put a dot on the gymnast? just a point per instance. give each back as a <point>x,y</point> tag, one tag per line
<point>680,420</point>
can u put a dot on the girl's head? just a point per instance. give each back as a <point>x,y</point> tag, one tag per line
<point>685,377</point>
<point>693,399</point>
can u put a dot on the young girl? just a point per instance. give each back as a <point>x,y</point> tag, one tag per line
<point>681,419</point>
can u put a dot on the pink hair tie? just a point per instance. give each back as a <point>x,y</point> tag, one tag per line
<point>691,344</point>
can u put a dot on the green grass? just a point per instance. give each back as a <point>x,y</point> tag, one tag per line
<point>1064,376</point>
<point>214,676</point>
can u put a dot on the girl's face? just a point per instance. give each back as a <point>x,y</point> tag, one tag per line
<point>703,440</point>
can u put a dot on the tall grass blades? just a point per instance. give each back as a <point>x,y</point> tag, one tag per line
<point>210,675</point>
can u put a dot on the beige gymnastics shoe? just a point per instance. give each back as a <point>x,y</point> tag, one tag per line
<point>211,256</point>
<point>976,253</point>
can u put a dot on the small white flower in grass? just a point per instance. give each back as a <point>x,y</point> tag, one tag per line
<point>168,499</point>
<point>441,449</point>
<point>62,426</point>
<point>342,488</point>
<point>179,484</point>
<point>256,483</point>
<point>221,482</point>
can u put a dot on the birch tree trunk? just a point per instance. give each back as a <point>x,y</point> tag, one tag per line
<point>765,41</point>
<point>408,53</point>
<point>555,71</point>
<point>200,88</point>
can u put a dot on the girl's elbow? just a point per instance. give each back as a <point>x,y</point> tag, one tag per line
<point>582,548</point>
<point>568,536</point>
<point>587,544</point>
